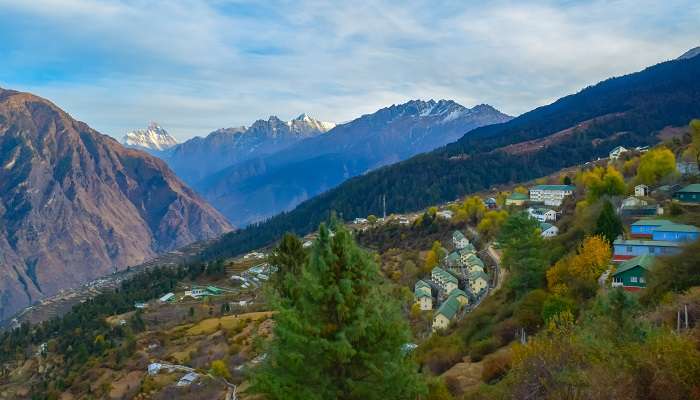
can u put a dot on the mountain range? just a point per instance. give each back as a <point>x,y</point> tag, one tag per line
<point>278,177</point>
<point>76,204</point>
<point>630,110</point>
<point>197,158</point>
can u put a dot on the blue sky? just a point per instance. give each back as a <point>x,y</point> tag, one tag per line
<point>195,66</point>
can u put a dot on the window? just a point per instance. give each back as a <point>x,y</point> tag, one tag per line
<point>652,249</point>
<point>641,280</point>
<point>629,249</point>
<point>633,279</point>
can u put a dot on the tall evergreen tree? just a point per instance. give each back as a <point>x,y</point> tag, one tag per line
<point>608,224</point>
<point>288,257</point>
<point>524,253</point>
<point>341,335</point>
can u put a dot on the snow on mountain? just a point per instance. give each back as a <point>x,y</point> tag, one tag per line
<point>153,138</point>
<point>305,125</point>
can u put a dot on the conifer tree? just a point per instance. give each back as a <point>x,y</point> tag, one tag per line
<point>341,335</point>
<point>608,224</point>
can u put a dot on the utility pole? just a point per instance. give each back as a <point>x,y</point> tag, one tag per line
<point>384,207</point>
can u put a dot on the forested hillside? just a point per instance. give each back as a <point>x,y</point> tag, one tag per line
<point>629,110</point>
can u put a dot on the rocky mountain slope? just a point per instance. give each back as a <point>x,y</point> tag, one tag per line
<point>198,157</point>
<point>263,186</point>
<point>630,110</point>
<point>152,139</point>
<point>75,204</point>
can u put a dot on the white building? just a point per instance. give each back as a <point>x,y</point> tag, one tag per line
<point>548,230</point>
<point>542,214</point>
<point>360,221</point>
<point>550,195</point>
<point>641,190</point>
<point>478,281</point>
<point>167,297</point>
<point>632,201</point>
<point>446,214</point>
<point>617,152</point>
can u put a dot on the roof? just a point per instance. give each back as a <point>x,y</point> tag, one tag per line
<point>637,242</point>
<point>457,292</point>
<point>694,188</point>
<point>545,226</point>
<point>554,187</point>
<point>452,258</point>
<point>422,289</point>
<point>472,259</point>
<point>444,275</point>
<point>641,185</point>
<point>517,196</point>
<point>540,210</point>
<point>449,307</point>
<point>651,222</point>
<point>673,227</point>
<point>457,235</point>
<point>478,274</point>
<point>644,261</point>
<point>618,148</point>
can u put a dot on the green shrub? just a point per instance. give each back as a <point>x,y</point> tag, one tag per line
<point>483,347</point>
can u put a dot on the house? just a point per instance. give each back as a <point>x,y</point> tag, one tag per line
<point>676,233</point>
<point>625,249</point>
<point>687,168</point>
<point>516,199</point>
<point>617,152</point>
<point>642,149</point>
<point>461,297</point>
<point>446,214</point>
<point>550,195</point>
<point>360,221</point>
<point>448,309</point>
<point>472,259</point>
<point>459,240</point>
<point>542,214</point>
<point>641,190</point>
<point>632,274</point>
<point>689,194</point>
<point>188,379</point>
<point>453,260</point>
<point>444,279</point>
<point>491,203</point>
<point>167,297</point>
<point>196,292</point>
<point>478,281</point>
<point>424,295</point>
<point>631,202</point>
<point>548,230</point>
<point>641,211</point>
<point>666,190</point>
<point>643,228</point>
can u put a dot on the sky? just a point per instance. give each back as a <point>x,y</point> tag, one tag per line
<point>195,66</point>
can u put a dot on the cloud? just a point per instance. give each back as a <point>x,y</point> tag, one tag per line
<point>195,66</point>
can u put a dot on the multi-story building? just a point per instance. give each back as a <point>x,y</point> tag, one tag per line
<point>550,195</point>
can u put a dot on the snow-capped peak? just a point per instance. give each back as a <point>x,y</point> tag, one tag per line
<point>152,138</point>
<point>303,124</point>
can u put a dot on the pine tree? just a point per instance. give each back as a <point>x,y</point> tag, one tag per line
<point>341,335</point>
<point>288,257</point>
<point>608,224</point>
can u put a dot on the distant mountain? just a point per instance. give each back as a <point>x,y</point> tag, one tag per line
<point>630,110</point>
<point>694,52</point>
<point>263,186</point>
<point>199,157</point>
<point>152,139</point>
<point>75,204</point>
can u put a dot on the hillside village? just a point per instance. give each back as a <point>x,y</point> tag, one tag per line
<point>453,287</point>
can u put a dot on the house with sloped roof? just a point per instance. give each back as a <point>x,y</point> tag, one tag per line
<point>516,199</point>
<point>459,240</point>
<point>449,309</point>
<point>542,214</point>
<point>632,274</point>
<point>641,190</point>
<point>452,260</point>
<point>478,281</point>
<point>548,230</point>
<point>676,232</point>
<point>688,194</point>
<point>424,295</point>
<point>644,227</point>
<point>617,152</point>
<point>625,249</point>
<point>444,279</point>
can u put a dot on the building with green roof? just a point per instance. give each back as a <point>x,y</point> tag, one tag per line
<point>688,194</point>
<point>424,295</point>
<point>459,240</point>
<point>631,274</point>
<point>516,199</point>
<point>444,279</point>
<point>478,281</point>
<point>447,311</point>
